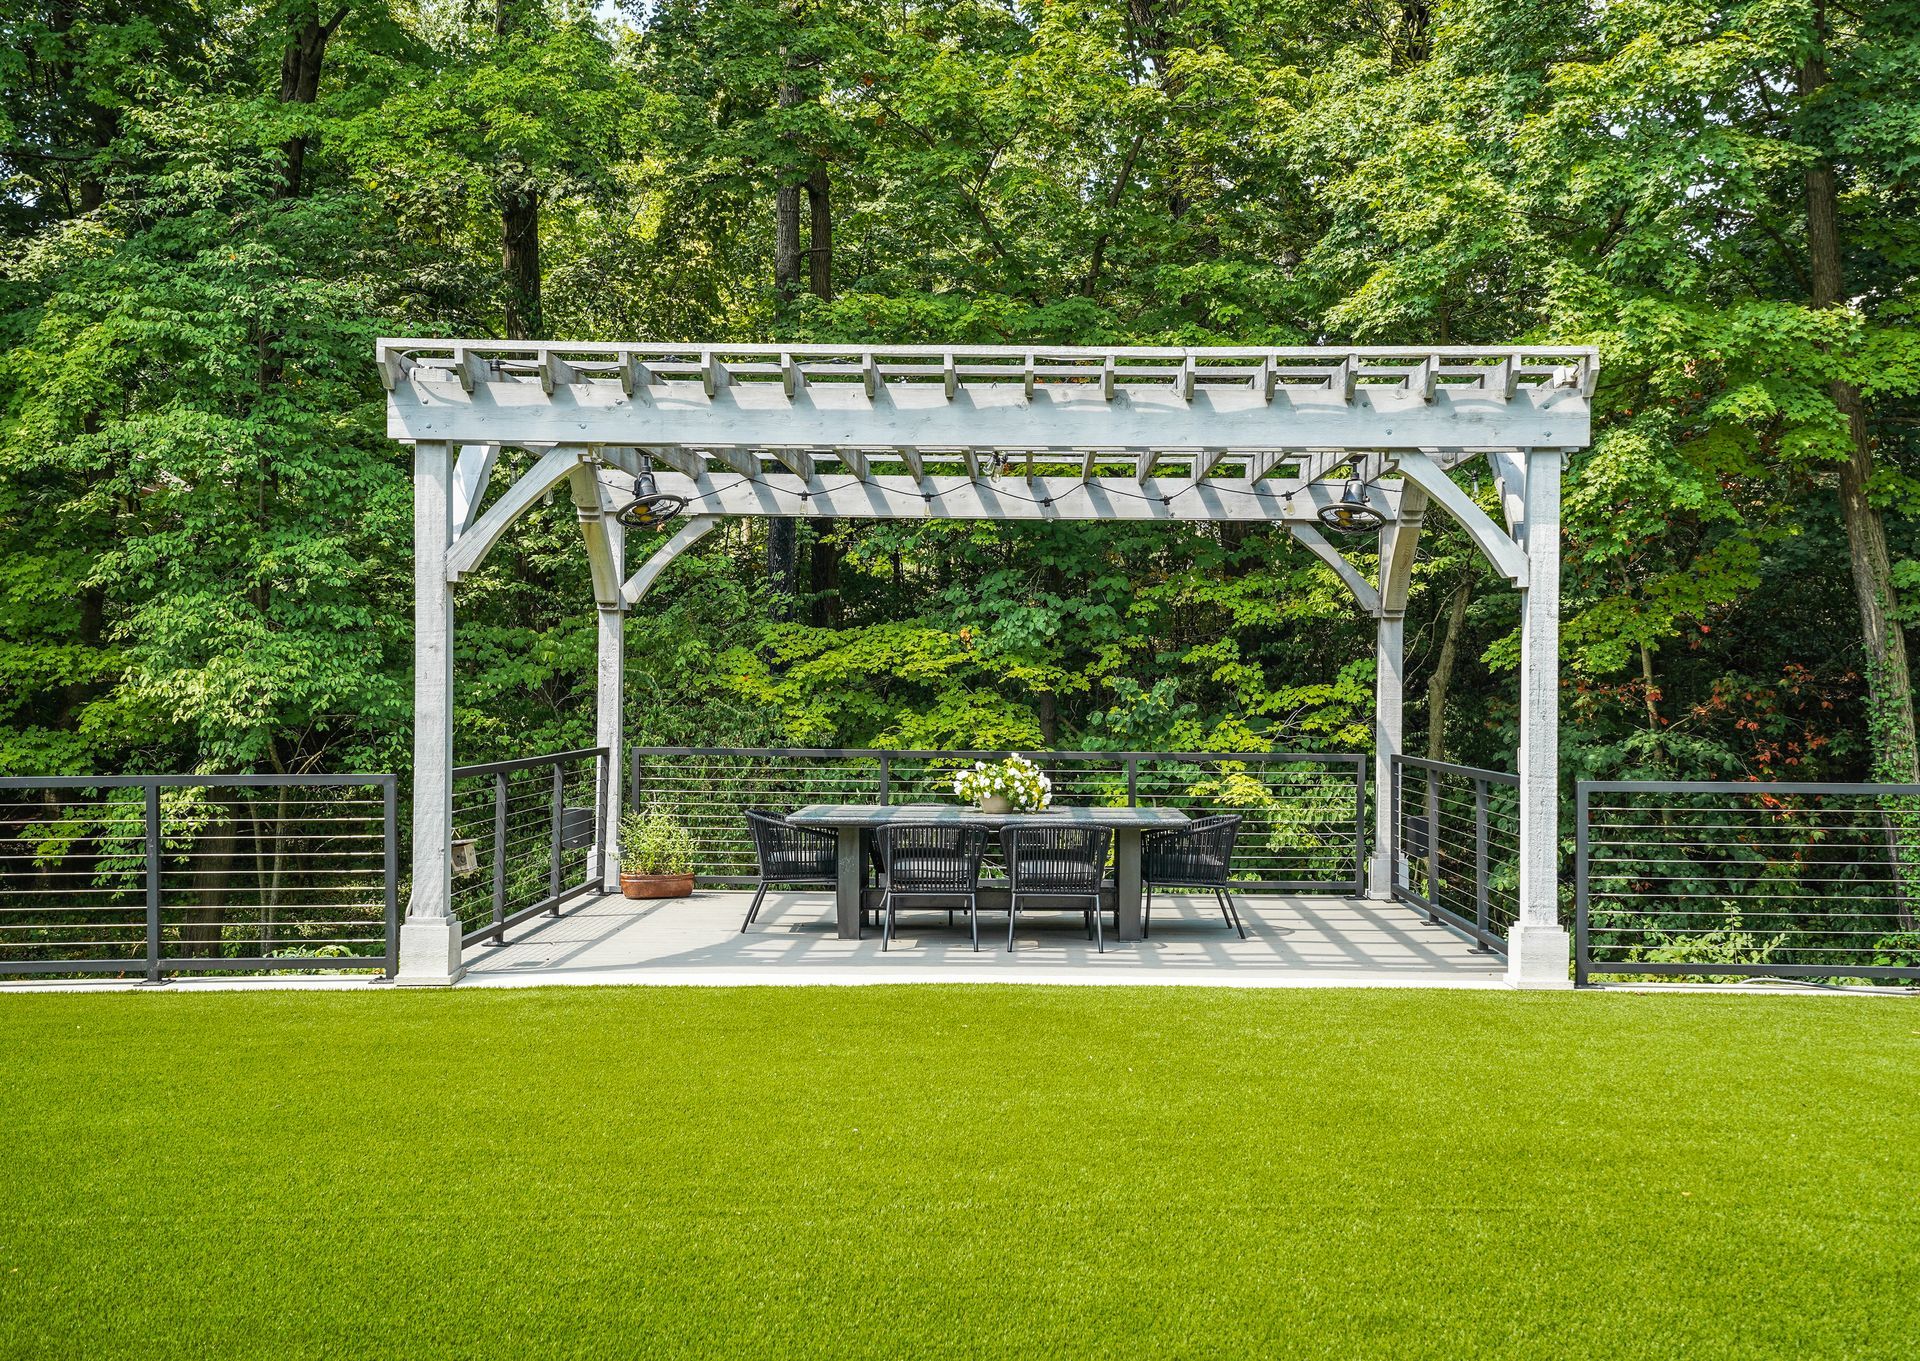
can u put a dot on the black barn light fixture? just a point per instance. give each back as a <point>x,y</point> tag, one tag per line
<point>650,507</point>
<point>1351,514</point>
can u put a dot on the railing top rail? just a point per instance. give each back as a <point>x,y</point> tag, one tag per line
<point>527,762</point>
<point>802,753</point>
<point>1743,787</point>
<point>1448,768</point>
<point>187,781</point>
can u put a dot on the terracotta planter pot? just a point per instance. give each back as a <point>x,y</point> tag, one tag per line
<point>656,885</point>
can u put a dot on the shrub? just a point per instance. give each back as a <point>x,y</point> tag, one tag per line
<point>655,842</point>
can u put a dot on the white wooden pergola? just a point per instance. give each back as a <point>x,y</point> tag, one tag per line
<point>971,432</point>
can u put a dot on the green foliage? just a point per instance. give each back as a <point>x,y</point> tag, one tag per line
<point>204,531</point>
<point>654,841</point>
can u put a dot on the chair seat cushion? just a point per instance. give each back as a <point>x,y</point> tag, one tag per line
<point>1184,867</point>
<point>801,865</point>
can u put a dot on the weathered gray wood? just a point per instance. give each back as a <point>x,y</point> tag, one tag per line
<point>849,820</point>
<point>1012,497</point>
<point>1537,945</point>
<point>846,889</point>
<point>689,533</point>
<point>429,404</point>
<point>1363,590</point>
<point>472,547</point>
<point>1131,921</point>
<point>1507,556</point>
<point>593,505</point>
<point>471,473</point>
<point>879,815</point>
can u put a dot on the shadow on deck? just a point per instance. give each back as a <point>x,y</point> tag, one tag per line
<point>1291,942</point>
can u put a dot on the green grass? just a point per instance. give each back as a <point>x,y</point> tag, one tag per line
<point>958,1171</point>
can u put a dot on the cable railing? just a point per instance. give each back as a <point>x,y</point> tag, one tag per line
<point>1456,845</point>
<point>1727,880</point>
<point>532,827</point>
<point>1305,814</point>
<point>140,876</point>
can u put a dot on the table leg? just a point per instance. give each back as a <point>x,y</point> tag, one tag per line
<point>1126,878</point>
<point>846,894</point>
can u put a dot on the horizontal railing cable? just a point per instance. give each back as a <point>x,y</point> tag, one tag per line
<point>147,875</point>
<point>1730,880</point>
<point>534,825</point>
<point>1455,848</point>
<point>1304,813</point>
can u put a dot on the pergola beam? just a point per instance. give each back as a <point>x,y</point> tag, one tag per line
<point>1143,400</point>
<point>1364,593</point>
<point>1014,497</point>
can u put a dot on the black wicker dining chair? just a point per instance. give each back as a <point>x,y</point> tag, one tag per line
<point>932,860</point>
<point>789,855</point>
<point>1056,862</point>
<point>1199,855</point>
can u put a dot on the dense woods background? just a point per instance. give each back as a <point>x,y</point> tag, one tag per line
<point>211,209</point>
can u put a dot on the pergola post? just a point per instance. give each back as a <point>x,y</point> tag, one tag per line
<point>1537,947</point>
<point>430,935</point>
<point>1399,543</point>
<point>609,689</point>
<point>1389,737</point>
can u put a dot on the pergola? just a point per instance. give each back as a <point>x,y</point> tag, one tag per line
<point>1268,435</point>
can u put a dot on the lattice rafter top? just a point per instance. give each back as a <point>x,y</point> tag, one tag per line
<point>791,403</point>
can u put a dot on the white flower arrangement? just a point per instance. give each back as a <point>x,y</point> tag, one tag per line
<point>1015,779</point>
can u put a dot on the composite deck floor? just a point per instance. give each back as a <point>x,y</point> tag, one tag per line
<point>1290,942</point>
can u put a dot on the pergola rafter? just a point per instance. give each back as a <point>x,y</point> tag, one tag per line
<point>1252,435</point>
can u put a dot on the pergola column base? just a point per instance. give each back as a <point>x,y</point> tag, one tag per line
<point>430,953</point>
<point>1380,876</point>
<point>1538,956</point>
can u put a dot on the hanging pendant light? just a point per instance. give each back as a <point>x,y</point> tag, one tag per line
<point>1351,514</point>
<point>650,507</point>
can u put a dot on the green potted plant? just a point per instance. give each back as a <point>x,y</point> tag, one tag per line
<point>656,855</point>
<point>1015,785</point>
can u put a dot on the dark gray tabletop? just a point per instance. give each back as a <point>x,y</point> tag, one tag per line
<point>879,815</point>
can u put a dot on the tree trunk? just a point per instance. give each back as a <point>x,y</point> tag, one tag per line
<point>823,576</point>
<point>781,541</point>
<point>520,261</point>
<point>203,929</point>
<point>1151,24</point>
<point>1890,684</point>
<point>786,218</point>
<point>1442,679</point>
<point>823,558</point>
<point>300,64</point>
<point>819,235</point>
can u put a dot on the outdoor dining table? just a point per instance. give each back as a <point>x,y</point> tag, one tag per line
<point>855,821</point>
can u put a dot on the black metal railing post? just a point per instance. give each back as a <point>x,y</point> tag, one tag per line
<point>1580,865</point>
<point>1133,781</point>
<point>1433,842</point>
<point>1480,800</point>
<point>602,779</point>
<point>886,778</point>
<point>1396,811</point>
<point>390,832</point>
<point>559,813</point>
<point>500,859</point>
<point>1359,826</point>
<point>154,853</point>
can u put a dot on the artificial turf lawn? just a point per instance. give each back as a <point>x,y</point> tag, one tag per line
<point>959,1171</point>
